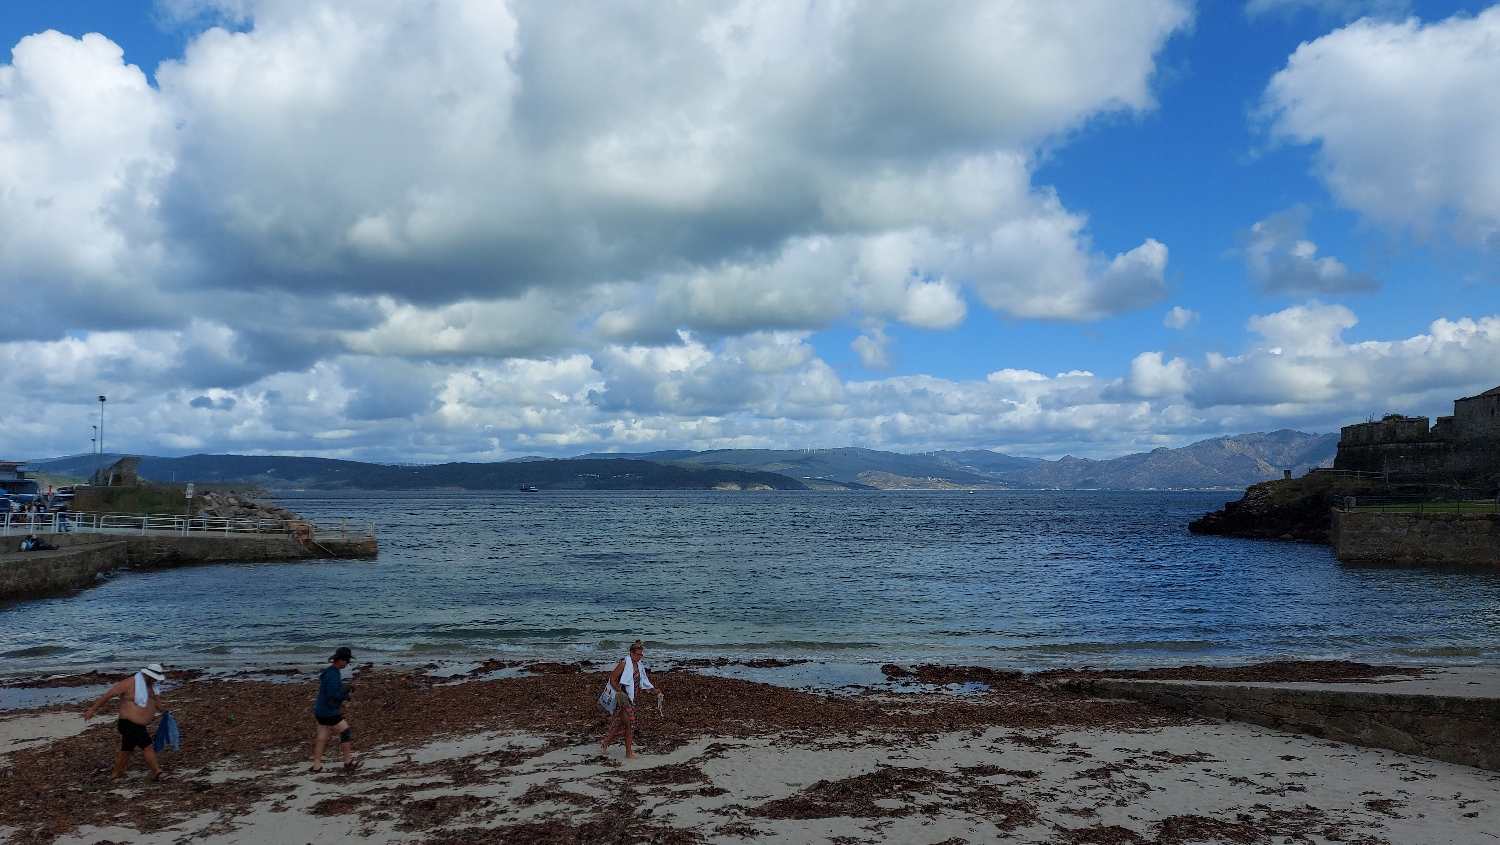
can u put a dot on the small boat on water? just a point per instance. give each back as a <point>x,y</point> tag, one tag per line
<point>528,488</point>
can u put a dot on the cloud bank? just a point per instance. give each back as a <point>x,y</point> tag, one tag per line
<point>763,389</point>
<point>373,210</point>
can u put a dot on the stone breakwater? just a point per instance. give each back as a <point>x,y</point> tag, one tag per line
<point>237,505</point>
<point>80,559</point>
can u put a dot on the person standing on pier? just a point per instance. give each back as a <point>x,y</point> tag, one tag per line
<point>628,675</point>
<point>329,711</point>
<point>139,704</point>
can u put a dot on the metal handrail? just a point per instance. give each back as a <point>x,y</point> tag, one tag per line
<point>1350,473</point>
<point>132,523</point>
<point>1421,504</point>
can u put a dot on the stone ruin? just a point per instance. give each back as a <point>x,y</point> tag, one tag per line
<point>121,473</point>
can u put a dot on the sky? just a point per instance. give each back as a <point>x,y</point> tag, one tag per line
<point>432,230</point>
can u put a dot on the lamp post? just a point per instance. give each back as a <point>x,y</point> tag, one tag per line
<point>101,428</point>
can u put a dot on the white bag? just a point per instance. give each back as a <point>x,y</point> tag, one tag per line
<point>607,698</point>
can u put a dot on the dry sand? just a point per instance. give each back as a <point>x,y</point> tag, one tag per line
<point>516,761</point>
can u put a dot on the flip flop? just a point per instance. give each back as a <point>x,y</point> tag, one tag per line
<point>160,776</point>
<point>354,766</point>
<point>317,770</point>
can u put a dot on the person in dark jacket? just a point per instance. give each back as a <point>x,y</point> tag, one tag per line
<point>329,711</point>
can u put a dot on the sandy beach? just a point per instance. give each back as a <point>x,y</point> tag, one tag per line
<point>516,760</point>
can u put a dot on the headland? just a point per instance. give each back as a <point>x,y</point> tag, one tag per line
<point>1400,491</point>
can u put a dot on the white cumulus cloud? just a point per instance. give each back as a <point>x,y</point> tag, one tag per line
<point>1405,119</point>
<point>434,154</point>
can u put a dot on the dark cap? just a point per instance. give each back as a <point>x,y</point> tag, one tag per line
<point>343,653</point>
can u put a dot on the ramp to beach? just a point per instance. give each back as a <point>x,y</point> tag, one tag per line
<point>1451,714</point>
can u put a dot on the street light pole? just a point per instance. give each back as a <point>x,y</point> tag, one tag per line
<point>101,428</point>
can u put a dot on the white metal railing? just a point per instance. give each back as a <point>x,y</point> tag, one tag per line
<point>132,523</point>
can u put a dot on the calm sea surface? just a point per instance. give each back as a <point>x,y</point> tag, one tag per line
<point>1022,580</point>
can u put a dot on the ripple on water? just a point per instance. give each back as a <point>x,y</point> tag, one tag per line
<point>1027,580</point>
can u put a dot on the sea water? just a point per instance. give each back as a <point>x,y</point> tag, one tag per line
<point>1007,579</point>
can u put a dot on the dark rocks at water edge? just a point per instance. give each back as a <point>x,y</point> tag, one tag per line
<point>1295,509</point>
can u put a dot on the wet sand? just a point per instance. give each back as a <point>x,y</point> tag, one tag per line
<point>516,760</point>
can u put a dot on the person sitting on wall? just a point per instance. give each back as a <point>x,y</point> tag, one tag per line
<point>33,543</point>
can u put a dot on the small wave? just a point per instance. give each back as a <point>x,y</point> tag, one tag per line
<point>442,648</point>
<point>1120,648</point>
<point>1442,651</point>
<point>545,634</point>
<point>37,651</point>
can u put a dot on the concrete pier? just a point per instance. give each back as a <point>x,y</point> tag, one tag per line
<point>81,558</point>
<point>1451,715</point>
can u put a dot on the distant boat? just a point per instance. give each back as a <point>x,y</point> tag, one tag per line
<point>527,488</point>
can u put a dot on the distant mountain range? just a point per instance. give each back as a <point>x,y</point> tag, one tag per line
<point>276,472</point>
<point>856,468</point>
<point>1220,463</point>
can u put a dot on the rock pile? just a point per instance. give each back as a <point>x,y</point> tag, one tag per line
<point>241,506</point>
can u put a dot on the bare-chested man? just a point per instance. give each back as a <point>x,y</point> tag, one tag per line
<point>139,704</point>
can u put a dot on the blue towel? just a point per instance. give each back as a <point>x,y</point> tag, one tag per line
<point>166,732</point>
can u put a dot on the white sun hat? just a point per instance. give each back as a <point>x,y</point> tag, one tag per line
<point>155,671</point>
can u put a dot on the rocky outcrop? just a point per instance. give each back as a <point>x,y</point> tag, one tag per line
<point>1294,509</point>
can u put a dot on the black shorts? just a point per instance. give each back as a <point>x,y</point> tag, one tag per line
<point>329,721</point>
<point>133,736</point>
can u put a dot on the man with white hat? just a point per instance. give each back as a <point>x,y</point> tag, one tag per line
<point>139,704</point>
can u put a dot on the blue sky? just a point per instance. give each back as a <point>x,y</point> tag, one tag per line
<point>476,230</point>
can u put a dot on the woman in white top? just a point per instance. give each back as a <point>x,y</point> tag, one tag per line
<point>628,675</point>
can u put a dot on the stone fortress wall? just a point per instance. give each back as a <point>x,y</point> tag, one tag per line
<point>1428,538</point>
<point>1460,449</point>
<point>1457,459</point>
<point>1474,418</point>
